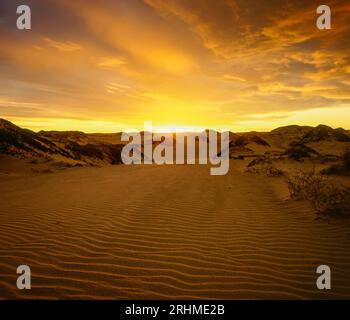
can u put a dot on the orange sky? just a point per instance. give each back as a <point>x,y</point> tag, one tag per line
<point>110,65</point>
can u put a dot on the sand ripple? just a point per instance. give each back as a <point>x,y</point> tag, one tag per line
<point>165,232</point>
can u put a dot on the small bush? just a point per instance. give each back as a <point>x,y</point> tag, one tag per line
<point>266,169</point>
<point>325,197</point>
<point>272,171</point>
<point>339,169</point>
<point>259,161</point>
<point>346,159</point>
<point>89,150</point>
<point>336,169</point>
<point>299,151</point>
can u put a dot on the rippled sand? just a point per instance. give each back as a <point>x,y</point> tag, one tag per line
<point>165,232</point>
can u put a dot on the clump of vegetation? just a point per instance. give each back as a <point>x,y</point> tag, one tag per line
<point>325,197</point>
<point>264,165</point>
<point>328,158</point>
<point>266,169</point>
<point>299,151</point>
<point>339,169</point>
<point>88,150</point>
<point>272,171</point>
<point>336,169</point>
<point>259,161</point>
<point>248,138</point>
<point>346,159</point>
<point>323,132</point>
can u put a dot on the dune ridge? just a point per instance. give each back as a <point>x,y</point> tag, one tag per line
<point>54,149</point>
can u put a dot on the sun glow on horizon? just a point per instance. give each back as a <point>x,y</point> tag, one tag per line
<point>338,117</point>
<point>177,129</point>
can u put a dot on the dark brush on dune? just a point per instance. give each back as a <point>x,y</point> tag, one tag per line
<point>92,149</point>
<point>101,151</point>
<point>247,138</point>
<point>298,151</point>
<point>326,197</point>
<point>16,141</point>
<point>339,169</point>
<point>323,132</point>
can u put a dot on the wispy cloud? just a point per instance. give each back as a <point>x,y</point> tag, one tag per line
<point>197,63</point>
<point>63,46</point>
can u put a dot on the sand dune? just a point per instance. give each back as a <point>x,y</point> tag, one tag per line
<point>144,232</point>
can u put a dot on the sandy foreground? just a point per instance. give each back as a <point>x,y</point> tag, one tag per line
<point>142,232</point>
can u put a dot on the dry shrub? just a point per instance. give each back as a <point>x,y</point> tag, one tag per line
<point>346,159</point>
<point>259,161</point>
<point>336,169</point>
<point>339,169</point>
<point>299,151</point>
<point>272,171</point>
<point>324,196</point>
<point>267,169</point>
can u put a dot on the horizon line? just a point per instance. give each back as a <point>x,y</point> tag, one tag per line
<point>171,132</point>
